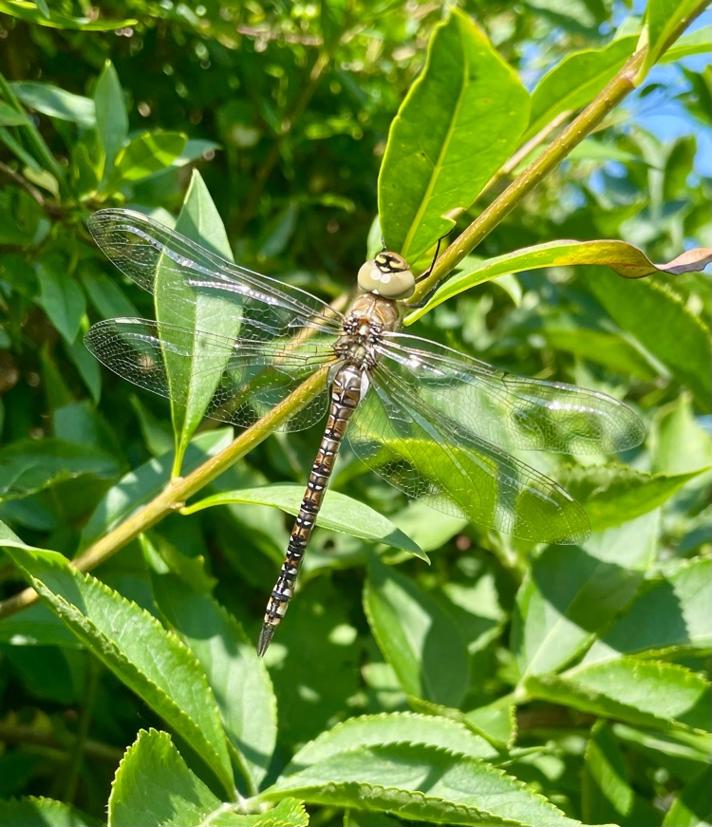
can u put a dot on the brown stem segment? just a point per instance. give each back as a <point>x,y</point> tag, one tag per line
<point>345,396</point>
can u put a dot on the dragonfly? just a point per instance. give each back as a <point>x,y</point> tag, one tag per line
<point>439,425</point>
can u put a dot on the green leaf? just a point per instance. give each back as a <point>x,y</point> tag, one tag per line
<point>106,296</point>
<point>56,103</point>
<point>9,116</point>
<point>61,298</point>
<point>136,648</point>
<point>606,793</point>
<point>394,728</point>
<point>657,316</point>
<point>681,445</point>
<point>617,494</point>
<point>692,806</point>
<point>31,13</point>
<point>420,783</point>
<point>623,258</point>
<point>87,366</point>
<point>145,482</point>
<point>654,694</point>
<point>662,18</point>
<point>147,154</point>
<point>671,615</point>
<point>42,812</point>
<point>338,513</point>
<point>153,785</point>
<point>571,593</point>
<point>31,465</point>
<point>200,221</point>
<point>460,121</point>
<point>575,81</point>
<point>694,43</point>
<point>112,120</point>
<point>236,674</point>
<point>417,636</point>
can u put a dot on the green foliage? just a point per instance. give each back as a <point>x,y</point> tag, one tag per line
<point>508,682</point>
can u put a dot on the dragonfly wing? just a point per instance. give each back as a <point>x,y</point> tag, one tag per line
<point>428,454</point>
<point>529,414</point>
<point>141,247</point>
<point>255,376</point>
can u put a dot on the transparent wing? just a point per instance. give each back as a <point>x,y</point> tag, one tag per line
<point>427,454</point>
<point>508,410</point>
<point>140,247</point>
<point>256,376</point>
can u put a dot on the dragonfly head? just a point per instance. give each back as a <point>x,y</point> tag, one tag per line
<point>387,275</point>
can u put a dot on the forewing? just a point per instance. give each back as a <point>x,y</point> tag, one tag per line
<point>428,454</point>
<point>139,247</point>
<point>255,376</point>
<point>509,410</point>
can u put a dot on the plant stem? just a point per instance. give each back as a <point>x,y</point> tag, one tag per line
<point>621,85</point>
<point>180,489</point>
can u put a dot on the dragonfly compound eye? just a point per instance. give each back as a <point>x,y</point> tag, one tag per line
<point>387,275</point>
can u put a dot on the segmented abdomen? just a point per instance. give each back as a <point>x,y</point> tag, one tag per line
<point>345,396</point>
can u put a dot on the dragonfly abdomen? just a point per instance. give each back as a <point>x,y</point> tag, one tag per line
<point>345,396</point>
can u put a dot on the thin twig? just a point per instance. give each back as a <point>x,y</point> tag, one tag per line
<point>22,734</point>
<point>178,490</point>
<point>51,209</point>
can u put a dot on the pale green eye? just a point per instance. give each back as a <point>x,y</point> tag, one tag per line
<point>387,275</point>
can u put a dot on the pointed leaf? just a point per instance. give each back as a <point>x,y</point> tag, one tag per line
<point>338,513</point>
<point>576,80</point>
<point>237,676</point>
<point>570,594</point>
<point>654,694</point>
<point>31,465</point>
<point>417,636</point>
<point>135,647</point>
<point>672,614</point>
<point>61,298</point>
<point>658,317</point>
<point>393,728</point>
<point>423,784</point>
<point>112,120</point>
<point>606,793</point>
<point>662,18</point>
<point>200,221</point>
<point>618,494</point>
<point>56,102</point>
<point>460,121</point>
<point>153,785</point>
<point>147,154</point>
<point>623,258</point>
<point>32,13</point>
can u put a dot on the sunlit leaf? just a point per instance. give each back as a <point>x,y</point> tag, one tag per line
<point>112,120</point>
<point>423,784</point>
<point>570,594</point>
<point>625,259</point>
<point>236,674</point>
<point>662,18</point>
<point>32,13</point>
<point>338,513</point>
<point>417,636</point>
<point>146,154</point>
<point>460,121</point>
<point>200,221</point>
<point>154,785</point>
<point>42,812</point>
<point>671,614</point>
<point>134,646</point>
<point>575,80</point>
